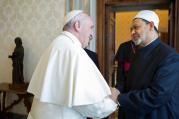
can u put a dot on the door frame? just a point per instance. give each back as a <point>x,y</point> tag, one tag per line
<point>106,28</point>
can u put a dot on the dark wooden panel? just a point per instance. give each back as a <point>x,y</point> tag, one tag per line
<point>130,6</point>
<point>100,34</point>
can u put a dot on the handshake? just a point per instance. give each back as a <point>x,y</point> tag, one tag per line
<point>114,94</point>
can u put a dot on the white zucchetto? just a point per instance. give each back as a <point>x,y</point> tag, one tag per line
<point>71,15</point>
<point>148,15</point>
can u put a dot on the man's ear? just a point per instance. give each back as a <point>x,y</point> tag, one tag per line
<point>77,25</point>
<point>151,25</point>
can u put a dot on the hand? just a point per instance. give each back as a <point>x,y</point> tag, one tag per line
<point>114,94</point>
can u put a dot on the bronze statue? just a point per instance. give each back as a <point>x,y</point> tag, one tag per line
<point>17,59</point>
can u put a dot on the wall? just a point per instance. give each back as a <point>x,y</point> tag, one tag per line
<point>37,22</point>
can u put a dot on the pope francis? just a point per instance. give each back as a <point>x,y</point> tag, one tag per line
<point>66,84</point>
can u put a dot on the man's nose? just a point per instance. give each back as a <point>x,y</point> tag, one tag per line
<point>132,31</point>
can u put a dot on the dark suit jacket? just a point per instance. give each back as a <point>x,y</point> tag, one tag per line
<point>93,56</point>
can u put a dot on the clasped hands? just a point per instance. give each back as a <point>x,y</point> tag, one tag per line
<point>114,94</point>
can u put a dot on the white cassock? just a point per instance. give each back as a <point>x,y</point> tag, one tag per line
<point>67,84</point>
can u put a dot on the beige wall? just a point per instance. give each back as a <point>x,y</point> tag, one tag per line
<point>123,22</point>
<point>37,22</point>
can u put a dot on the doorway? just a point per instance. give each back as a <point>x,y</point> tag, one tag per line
<point>112,10</point>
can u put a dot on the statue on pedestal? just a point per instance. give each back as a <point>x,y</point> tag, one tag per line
<point>17,59</point>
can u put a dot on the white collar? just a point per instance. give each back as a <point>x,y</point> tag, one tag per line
<point>72,37</point>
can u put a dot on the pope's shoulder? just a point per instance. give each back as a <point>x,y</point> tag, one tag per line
<point>63,43</point>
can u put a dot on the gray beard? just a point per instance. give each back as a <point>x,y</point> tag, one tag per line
<point>137,42</point>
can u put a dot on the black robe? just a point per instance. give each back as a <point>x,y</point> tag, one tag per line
<point>93,56</point>
<point>151,90</point>
<point>124,56</point>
